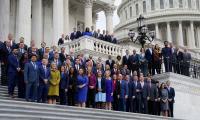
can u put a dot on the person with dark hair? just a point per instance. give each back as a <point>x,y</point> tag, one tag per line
<point>186,62</point>
<point>149,57</point>
<point>62,55</point>
<point>61,40</point>
<point>41,51</point>
<point>167,55</point>
<point>134,61</point>
<point>72,87</point>
<point>87,32</point>
<point>109,90</point>
<point>171,96</point>
<point>164,104</point>
<point>82,88</point>
<point>157,60</point>
<point>64,84</point>
<point>115,102</point>
<point>143,62</point>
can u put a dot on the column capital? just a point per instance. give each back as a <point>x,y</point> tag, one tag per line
<point>109,10</point>
<point>88,3</point>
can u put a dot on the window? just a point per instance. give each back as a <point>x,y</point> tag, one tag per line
<point>126,14</point>
<point>189,4</point>
<point>197,3</point>
<point>131,14</point>
<point>171,3</point>
<point>161,4</point>
<point>137,9</point>
<point>152,4</point>
<point>144,7</point>
<point>181,3</point>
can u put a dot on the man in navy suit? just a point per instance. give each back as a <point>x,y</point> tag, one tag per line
<point>144,93</point>
<point>125,60</point>
<point>110,62</point>
<point>134,61</point>
<point>44,77</point>
<point>13,70</point>
<point>167,55</point>
<point>122,92</point>
<point>41,51</point>
<point>56,59</point>
<point>149,56</point>
<point>113,39</point>
<point>62,55</point>
<point>31,78</point>
<point>171,96</point>
<point>61,40</point>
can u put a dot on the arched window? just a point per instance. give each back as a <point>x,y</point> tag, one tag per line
<point>189,4</point>
<point>144,7</point>
<point>131,13</point>
<point>171,3</point>
<point>137,9</point>
<point>161,4</point>
<point>181,3</point>
<point>152,4</point>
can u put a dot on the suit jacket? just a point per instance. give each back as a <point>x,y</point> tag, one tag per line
<point>149,55</point>
<point>125,71</point>
<point>31,74</point>
<point>144,91</point>
<point>43,75</point>
<point>25,46</point>
<point>122,89</point>
<point>60,41</point>
<point>41,53</point>
<point>5,53</point>
<point>171,93</point>
<point>13,64</point>
<point>125,60</point>
<point>107,38</point>
<point>62,57</point>
<point>64,81</point>
<point>103,85</point>
<point>134,59</point>
<point>166,52</point>
<point>110,64</point>
<point>113,40</point>
<point>131,89</point>
<point>153,93</point>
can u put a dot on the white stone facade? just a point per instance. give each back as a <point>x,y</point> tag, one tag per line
<point>177,21</point>
<point>46,20</point>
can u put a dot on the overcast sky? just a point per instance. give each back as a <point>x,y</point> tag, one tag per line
<point>101,22</point>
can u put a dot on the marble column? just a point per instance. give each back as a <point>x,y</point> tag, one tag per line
<point>157,31</point>
<point>169,35</point>
<point>109,11</point>
<point>24,21</point>
<point>88,13</point>
<point>58,20</point>
<point>180,33</point>
<point>4,19</point>
<point>198,30</point>
<point>191,40</point>
<point>37,22</point>
<point>66,17</point>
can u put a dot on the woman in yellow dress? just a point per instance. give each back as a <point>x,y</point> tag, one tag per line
<point>54,84</point>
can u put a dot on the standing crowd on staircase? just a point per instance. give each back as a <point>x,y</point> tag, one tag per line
<point>123,83</point>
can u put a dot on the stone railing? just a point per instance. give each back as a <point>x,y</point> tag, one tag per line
<point>93,45</point>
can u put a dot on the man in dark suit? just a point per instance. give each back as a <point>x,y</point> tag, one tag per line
<point>21,50</point>
<point>178,60</point>
<point>134,61</point>
<point>107,37</point>
<point>44,77</point>
<point>167,55</point>
<point>122,92</point>
<point>144,94</point>
<point>152,98</point>
<point>57,60</point>
<point>41,51</point>
<point>98,35</point>
<point>31,78</point>
<point>171,96</point>
<point>149,56</point>
<point>114,70</point>
<point>62,55</point>
<point>131,95</point>
<point>110,62</point>
<point>186,62</point>
<point>21,40</point>
<point>113,39</point>
<point>77,65</point>
<point>13,71</point>
<point>125,60</point>
<point>61,40</point>
<point>73,34</point>
<point>125,70</point>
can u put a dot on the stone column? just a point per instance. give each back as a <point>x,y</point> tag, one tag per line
<point>191,41</point>
<point>88,13</point>
<point>180,33</point>
<point>66,17</point>
<point>24,21</point>
<point>58,20</point>
<point>4,19</point>
<point>169,35</point>
<point>37,22</point>
<point>198,30</point>
<point>109,18</point>
<point>157,31</point>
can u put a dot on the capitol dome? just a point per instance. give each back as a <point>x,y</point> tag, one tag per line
<point>176,21</point>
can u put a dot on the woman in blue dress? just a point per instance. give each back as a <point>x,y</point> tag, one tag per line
<point>87,32</point>
<point>109,90</point>
<point>82,88</point>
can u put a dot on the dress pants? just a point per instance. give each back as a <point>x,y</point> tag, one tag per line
<point>31,91</point>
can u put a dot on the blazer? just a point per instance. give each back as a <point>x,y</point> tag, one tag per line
<point>122,88</point>
<point>41,53</point>
<point>43,75</point>
<point>62,57</point>
<point>13,64</point>
<point>131,89</point>
<point>171,93</point>
<point>60,41</point>
<point>149,55</point>
<point>144,91</point>
<point>166,52</point>
<point>103,85</point>
<point>31,74</point>
<point>134,59</point>
<point>125,61</point>
<point>110,64</point>
<point>153,93</point>
<point>64,81</point>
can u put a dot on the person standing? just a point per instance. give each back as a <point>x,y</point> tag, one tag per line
<point>157,60</point>
<point>149,57</point>
<point>186,62</point>
<point>64,83</point>
<point>134,61</point>
<point>61,40</point>
<point>126,60</point>
<point>82,88</point>
<point>13,71</point>
<point>44,77</point>
<point>31,78</point>
<point>164,100</point>
<point>54,82</point>
<point>167,55</point>
<point>72,87</point>
<point>109,90</point>
<point>171,95</point>
<point>115,102</point>
<point>144,63</point>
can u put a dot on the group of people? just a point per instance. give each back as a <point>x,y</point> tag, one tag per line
<point>122,84</point>
<point>105,36</point>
